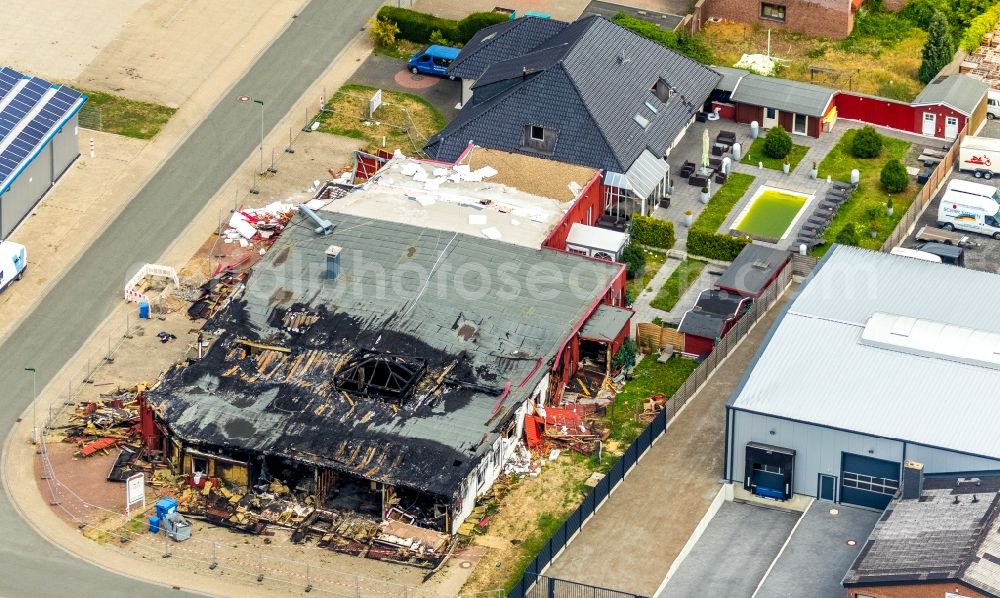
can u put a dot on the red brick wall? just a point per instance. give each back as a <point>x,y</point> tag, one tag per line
<point>818,17</point>
<point>590,199</point>
<point>923,590</point>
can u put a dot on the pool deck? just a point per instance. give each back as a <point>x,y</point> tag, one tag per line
<point>791,189</point>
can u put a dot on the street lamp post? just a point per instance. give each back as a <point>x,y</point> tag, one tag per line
<point>261,103</point>
<point>34,396</point>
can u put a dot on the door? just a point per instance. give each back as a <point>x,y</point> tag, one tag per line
<point>930,124</point>
<point>867,481</point>
<point>951,127</point>
<point>800,124</point>
<point>770,118</point>
<point>826,491</point>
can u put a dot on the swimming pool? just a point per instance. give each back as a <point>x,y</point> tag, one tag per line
<point>771,212</point>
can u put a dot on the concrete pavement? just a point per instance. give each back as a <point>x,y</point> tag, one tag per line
<point>171,200</point>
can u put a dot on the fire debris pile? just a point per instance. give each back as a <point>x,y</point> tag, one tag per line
<point>261,225</point>
<point>216,294</point>
<point>96,426</point>
<point>568,427</point>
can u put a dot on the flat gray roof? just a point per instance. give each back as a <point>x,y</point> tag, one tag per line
<point>814,368</point>
<point>785,95</point>
<point>752,269</point>
<point>961,92</point>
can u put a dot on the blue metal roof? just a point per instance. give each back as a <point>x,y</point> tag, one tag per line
<point>32,110</point>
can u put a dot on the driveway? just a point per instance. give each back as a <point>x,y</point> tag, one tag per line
<point>389,73</point>
<point>82,299</point>
<point>733,554</point>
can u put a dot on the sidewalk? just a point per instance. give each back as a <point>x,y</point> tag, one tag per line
<point>644,312</point>
<point>635,536</point>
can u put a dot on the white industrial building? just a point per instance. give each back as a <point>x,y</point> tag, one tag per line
<point>880,359</point>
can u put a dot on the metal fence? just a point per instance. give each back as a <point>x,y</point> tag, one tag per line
<point>938,176</point>
<point>532,579</point>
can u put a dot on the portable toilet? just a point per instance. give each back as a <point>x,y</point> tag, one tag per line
<point>144,309</point>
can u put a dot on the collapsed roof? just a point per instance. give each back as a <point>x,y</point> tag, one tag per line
<point>403,369</point>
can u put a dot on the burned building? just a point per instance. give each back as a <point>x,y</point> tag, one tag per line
<point>380,366</point>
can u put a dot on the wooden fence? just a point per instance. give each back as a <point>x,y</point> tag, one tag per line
<point>656,336</point>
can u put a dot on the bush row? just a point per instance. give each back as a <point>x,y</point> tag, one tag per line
<point>418,27</point>
<point>678,41</point>
<point>979,27</point>
<point>714,245</point>
<point>652,232</point>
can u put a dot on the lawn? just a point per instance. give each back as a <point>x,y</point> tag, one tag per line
<point>869,194</point>
<point>649,378</point>
<point>874,64</point>
<point>756,154</point>
<point>119,115</point>
<point>678,282</point>
<point>654,261</point>
<point>771,214</point>
<point>404,121</point>
<point>718,208</point>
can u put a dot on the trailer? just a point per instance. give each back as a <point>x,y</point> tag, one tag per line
<point>978,155</point>
<point>939,235</point>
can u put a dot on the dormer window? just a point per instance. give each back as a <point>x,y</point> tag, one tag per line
<point>537,133</point>
<point>540,138</point>
<point>661,89</point>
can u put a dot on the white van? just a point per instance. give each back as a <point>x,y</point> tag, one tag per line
<point>973,213</point>
<point>975,189</point>
<point>992,104</point>
<point>13,261</point>
<point>914,253</point>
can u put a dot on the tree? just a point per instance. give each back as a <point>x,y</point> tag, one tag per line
<point>383,33</point>
<point>777,143</point>
<point>894,177</point>
<point>848,235</point>
<point>938,49</point>
<point>867,143</point>
<point>634,259</point>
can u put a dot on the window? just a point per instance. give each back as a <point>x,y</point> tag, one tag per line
<point>799,124</point>
<point>775,12</point>
<point>661,90</point>
<point>540,138</point>
<point>641,120</point>
<point>771,113</point>
<point>537,133</point>
<point>990,221</point>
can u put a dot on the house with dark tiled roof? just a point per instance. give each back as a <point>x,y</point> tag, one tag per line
<point>593,94</point>
<point>498,43</point>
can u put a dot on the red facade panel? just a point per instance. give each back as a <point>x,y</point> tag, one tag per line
<point>586,209</point>
<point>746,113</point>
<point>697,345</point>
<point>726,111</point>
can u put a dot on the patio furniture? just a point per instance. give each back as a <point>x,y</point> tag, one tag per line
<point>843,186</point>
<point>718,149</point>
<point>664,202</point>
<point>715,163</point>
<point>720,177</point>
<point>728,137</point>
<point>687,169</point>
<point>701,117</point>
<point>820,220</point>
<point>666,352</point>
<point>698,180</point>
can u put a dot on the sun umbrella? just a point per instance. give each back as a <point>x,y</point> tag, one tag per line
<point>704,149</point>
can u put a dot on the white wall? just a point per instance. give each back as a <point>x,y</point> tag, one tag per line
<point>467,90</point>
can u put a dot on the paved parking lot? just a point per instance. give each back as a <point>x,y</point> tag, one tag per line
<point>733,554</point>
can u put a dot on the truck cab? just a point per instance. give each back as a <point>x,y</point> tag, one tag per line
<point>13,261</point>
<point>433,60</point>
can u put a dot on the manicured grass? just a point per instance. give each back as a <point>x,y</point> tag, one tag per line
<point>770,214</point>
<point>654,261</point>
<point>838,164</point>
<point>122,116</point>
<point>404,120</point>
<point>718,208</point>
<point>678,282</point>
<point>649,378</point>
<point>756,154</point>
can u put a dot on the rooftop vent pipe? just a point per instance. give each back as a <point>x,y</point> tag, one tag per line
<point>323,227</point>
<point>333,262</point>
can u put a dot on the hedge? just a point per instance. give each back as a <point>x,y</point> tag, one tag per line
<point>702,239</point>
<point>979,27</point>
<point>418,26</point>
<point>678,41</point>
<point>652,232</point>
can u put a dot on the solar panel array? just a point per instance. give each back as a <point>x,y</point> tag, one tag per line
<point>17,108</point>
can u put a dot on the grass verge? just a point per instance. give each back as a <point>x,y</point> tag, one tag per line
<point>756,154</point>
<point>654,261</point>
<point>122,116</point>
<point>649,378</point>
<point>405,120</point>
<point>402,50</point>
<point>718,208</point>
<point>869,194</point>
<point>678,282</point>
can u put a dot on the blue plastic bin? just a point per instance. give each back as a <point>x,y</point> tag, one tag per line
<point>165,506</point>
<point>144,310</point>
<point>154,525</point>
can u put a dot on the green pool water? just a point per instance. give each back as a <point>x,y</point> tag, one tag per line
<point>771,213</point>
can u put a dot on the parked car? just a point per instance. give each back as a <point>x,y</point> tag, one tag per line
<point>433,60</point>
<point>973,213</point>
<point>13,261</point>
<point>949,254</point>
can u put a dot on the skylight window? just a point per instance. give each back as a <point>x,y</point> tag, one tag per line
<point>642,120</point>
<point>652,107</point>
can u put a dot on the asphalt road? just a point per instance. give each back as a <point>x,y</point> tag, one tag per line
<point>49,337</point>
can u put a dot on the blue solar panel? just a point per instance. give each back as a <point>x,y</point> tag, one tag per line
<point>17,108</point>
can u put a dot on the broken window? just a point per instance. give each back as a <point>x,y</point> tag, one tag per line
<point>389,377</point>
<point>661,89</point>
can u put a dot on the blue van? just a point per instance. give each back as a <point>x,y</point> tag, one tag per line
<point>435,60</point>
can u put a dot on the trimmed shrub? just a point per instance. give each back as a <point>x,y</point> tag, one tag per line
<point>419,27</point>
<point>634,259</point>
<point>894,177</point>
<point>867,143</point>
<point>848,235</point>
<point>777,143</point>
<point>652,232</point>
<point>714,245</point>
<point>938,49</point>
<point>979,27</point>
<point>383,33</point>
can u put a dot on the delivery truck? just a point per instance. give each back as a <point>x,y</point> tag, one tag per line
<point>978,156</point>
<point>973,213</point>
<point>13,261</point>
